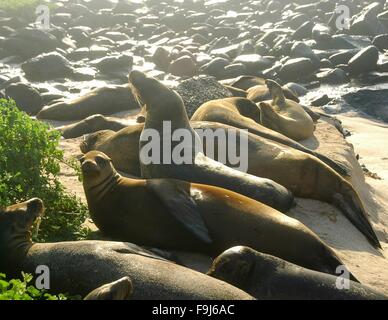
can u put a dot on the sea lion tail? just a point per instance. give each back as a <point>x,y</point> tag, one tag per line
<point>337,166</point>
<point>350,203</point>
<point>334,261</point>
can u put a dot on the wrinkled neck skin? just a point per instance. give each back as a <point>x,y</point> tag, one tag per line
<point>13,253</point>
<point>99,189</point>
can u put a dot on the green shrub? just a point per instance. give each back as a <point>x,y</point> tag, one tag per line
<point>29,167</point>
<point>17,289</point>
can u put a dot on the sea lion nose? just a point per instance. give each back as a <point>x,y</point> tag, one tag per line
<point>135,76</point>
<point>89,166</point>
<point>35,205</point>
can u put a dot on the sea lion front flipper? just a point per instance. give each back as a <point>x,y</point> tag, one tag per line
<point>175,195</point>
<point>315,116</point>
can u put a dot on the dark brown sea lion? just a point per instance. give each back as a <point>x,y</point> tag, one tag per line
<point>244,114</point>
<point>179,215</point>
<point>119,290</point>
<point>164,106</point>
<point>106,100</point>
<point>81,266</point>
<point>269,278</point>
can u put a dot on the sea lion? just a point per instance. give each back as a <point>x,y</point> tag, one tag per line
<point>236,92</point>
<point>244,114</point>
<point>285,116</point>
<point>262,93</point>
<point>255,88</point>
<point>118,290</point>
<point>244,82</point>
<point>91,124</point>
<point>78,267</point>
<point>269,278</point>
<point>265,158</point>
<point>165,105</point>
<point>179,215</point>
<point>106,100</point>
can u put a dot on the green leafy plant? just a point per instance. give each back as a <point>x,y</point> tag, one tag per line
<point>29,167</point>
<point>20,289</point>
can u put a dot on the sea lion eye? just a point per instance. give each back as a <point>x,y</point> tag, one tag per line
<point>101,160</point>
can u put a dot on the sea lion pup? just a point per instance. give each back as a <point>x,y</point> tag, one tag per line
<point>91,124</point>
<point>269,278</point>
<point>310,178</point>
<point>163,105</point>
<point>262,93</point>
<point>179,215</point>
<point>285,116</point>
<point>119,290</point>
<point>78,267</point>
<point>245,114</point>
<point>254,87</point>
<point>106,100</point>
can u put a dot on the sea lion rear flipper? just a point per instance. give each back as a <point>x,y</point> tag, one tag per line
<point>314,115</point>
<point>175,195</point>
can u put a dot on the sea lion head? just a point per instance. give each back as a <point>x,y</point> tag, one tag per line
<point>97,169</point>
<point>92,140</point>
<point>158,99</point>
<point>16,222</point>
<point>275,90</point>
<point>234,266</point>
<point>119,290</point>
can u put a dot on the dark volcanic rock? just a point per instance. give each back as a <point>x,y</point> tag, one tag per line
<point>364,61</point>
<point>381,42</point>
<point>333,76</point>
<point>197,91</point>
<point>122,63</point>
<point>47,66</point>
<point>295,69</point>
<point>215,67</point>
<point>367,23</point>
<point>372,102</point>
<point>26,97</point>
<point>29,43</point>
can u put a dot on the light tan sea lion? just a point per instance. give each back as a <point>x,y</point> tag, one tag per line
<point>245,114</point>
<point>186,216</point>
<point>285,116</point>
<point>106,100</point>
